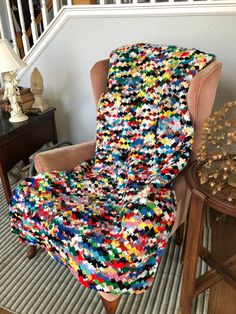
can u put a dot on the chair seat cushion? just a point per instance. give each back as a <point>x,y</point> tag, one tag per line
<point>108,220</point>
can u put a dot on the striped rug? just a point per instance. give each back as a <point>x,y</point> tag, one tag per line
<point>42,286</point>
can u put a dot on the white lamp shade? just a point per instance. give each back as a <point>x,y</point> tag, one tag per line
<point>9,60</point>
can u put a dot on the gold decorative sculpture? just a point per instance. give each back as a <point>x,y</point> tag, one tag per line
<point>36,81</point>
<point>218,153</point>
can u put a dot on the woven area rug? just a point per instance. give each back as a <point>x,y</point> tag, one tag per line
<point>42,286</point>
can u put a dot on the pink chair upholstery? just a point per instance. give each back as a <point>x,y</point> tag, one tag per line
<point>201,97</point>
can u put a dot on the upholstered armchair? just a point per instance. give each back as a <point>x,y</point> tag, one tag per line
<point>201,97</point>
<point>200,101</point>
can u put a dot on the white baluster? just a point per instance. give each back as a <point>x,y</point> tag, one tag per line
<point>40,29</point>
<point>55,5</point>
<point>69,2</point>
<point>12,29</point>
<point>44,13</point>
<point>25,39</point>
<point>102,2</point>
<point>2,34</point>
<point>33,24</point>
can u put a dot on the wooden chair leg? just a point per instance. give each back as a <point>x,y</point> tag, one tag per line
<point>31,252</point>
<point>179,235</point>
<point>193,244</point>
<point>110,306</point>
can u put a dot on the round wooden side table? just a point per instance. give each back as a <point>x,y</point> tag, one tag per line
<point>192,286</point>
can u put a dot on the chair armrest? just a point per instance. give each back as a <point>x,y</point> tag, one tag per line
<point>65,158</point>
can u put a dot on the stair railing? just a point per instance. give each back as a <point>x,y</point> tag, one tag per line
<point>40,13</point>
<point>23,39</point>
<point>41,21</point>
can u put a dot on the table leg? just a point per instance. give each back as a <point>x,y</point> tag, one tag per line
<point>193,242</point>
<point>54,131</point>
<point>5,184</point>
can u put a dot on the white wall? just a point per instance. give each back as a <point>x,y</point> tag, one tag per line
<point>66,61</point>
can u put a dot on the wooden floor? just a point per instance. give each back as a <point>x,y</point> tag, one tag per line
<point>222,299</point>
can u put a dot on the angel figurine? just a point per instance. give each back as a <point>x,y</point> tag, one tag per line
<point>11,91</point>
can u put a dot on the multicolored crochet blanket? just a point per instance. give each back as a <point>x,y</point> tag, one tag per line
<point>109,219</point>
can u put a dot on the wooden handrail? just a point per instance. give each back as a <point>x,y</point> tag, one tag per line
<point>39,18</point>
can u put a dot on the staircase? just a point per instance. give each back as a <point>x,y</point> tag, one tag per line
<point>30,21</point>
<point>77,36</point>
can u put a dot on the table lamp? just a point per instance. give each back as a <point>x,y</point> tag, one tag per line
<point>9,64</point>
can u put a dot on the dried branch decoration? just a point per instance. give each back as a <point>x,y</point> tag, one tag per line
<point>217,153</point>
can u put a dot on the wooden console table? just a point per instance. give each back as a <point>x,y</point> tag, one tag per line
<point>192,286</point>
<point>20,140</point>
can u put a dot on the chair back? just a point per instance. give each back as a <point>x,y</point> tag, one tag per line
<point>201,94</point>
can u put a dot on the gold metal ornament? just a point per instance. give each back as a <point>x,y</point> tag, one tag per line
<point>217,153</point>
<point>232,180</point>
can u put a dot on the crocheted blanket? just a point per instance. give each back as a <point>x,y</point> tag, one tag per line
<point>109,219</point>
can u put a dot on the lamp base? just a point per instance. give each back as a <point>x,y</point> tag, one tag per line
<point>18,118</point>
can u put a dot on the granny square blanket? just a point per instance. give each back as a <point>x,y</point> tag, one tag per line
<point>109,219</point>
